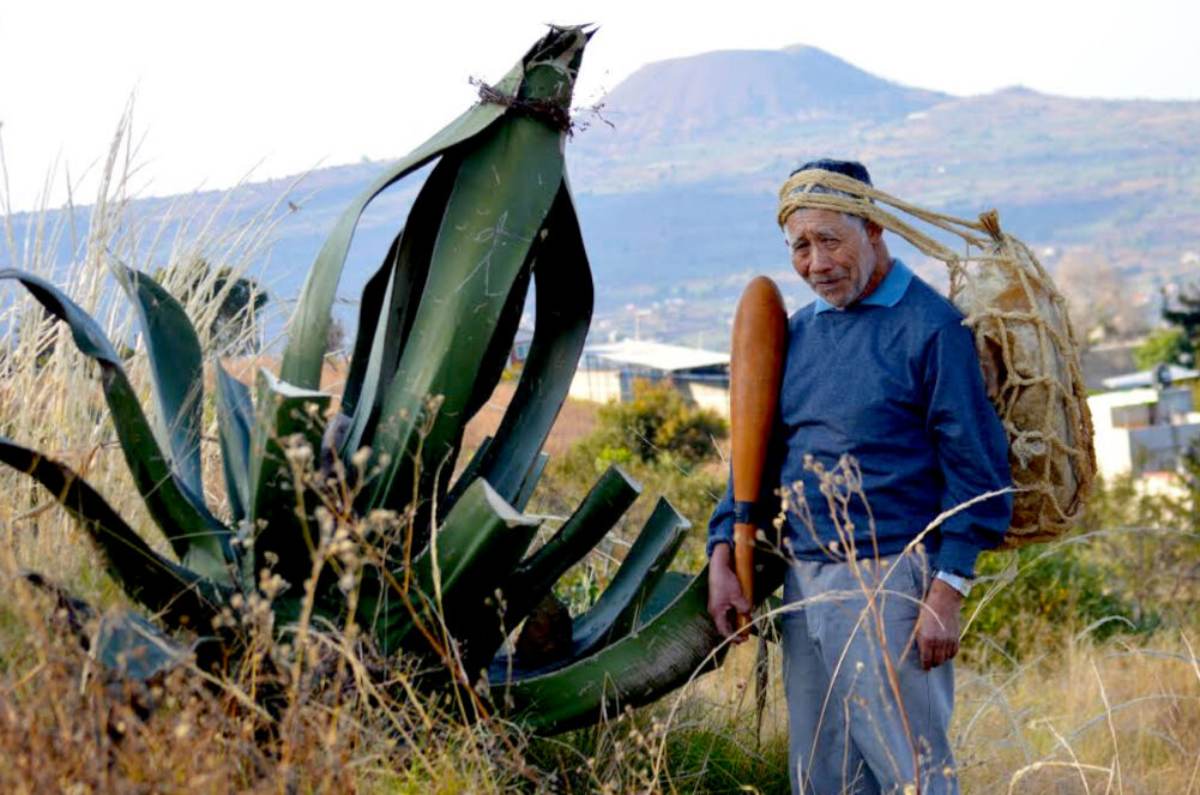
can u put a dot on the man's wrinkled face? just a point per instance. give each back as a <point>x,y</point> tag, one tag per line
<point>832,252</point>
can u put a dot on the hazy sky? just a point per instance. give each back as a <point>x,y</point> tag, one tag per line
<point>226,87</point>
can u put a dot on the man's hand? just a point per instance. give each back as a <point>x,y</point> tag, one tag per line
<point>937,626</point>
<point>725,597</point>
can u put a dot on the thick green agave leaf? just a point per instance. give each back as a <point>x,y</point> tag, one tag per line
<point>469,472</point>
<point>531,481</point>
<point>289,420</point>
<point>617,610</point>
<point>502,195</point>
<point>499,351</point>
<point>677,644</point>
<point>121,640</point>
<point>390,302</point>
<point>534,578</point>
<point>477,545</point>
<point>499,203</point>
<point>176,370</point>
<point>180,596</point>
<point>665,592</point>
<point>635,670</point>
<point>200,540</point>
<point>564,297</point>
<point>376,294</point>
<point>134,648</point>
<point>235,423</point>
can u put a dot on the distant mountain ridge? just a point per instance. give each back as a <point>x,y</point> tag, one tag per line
<point>676,193</point>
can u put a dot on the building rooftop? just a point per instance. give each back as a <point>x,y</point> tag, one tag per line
<point>1174,373</point>
<point>656,355</point>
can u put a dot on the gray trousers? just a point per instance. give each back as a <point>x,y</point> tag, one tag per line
<point>854,727</point>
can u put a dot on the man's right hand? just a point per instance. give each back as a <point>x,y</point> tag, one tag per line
<point>725,597</point>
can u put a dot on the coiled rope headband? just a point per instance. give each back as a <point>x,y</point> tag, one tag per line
<point>800,191</point>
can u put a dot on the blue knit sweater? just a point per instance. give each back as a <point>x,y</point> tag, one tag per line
<point>890,387</point>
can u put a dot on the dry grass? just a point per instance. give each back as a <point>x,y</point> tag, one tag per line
<point>1094,719</point>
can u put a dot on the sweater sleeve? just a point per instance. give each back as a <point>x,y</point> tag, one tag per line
<point>765,508</point>
<point>720,524</point>
<point>972,451</point>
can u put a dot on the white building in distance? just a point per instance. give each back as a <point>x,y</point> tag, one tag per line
<point>607,372</point>
<point>1145,424</point>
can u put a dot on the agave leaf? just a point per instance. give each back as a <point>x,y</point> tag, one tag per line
<point>309,326</point>
<point>479,542</point>
<point>136,649</point>
<point>503,192</point>
<point>469,472</point>
<point>665,592</point>
<point>616,612</point>
<point>176,369</point>
<point>499,351</point>
<point>121,640</point>
<point>181,596</point>
<point>194,533</point>
<point>563,283</point>
<point>235,421</point>
<point>376,294</point>
<point>635,670</point>
<point>531,481</point>
<point>612,495</point>
<point>288,419</point>
<point>390,302</point>
<point>500,199</point>
<point>680,642</point>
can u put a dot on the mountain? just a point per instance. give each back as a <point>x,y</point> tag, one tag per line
<point>673,101</point>
<point>676,175</point>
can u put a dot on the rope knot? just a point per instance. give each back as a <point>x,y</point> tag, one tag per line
<point>544,110</point>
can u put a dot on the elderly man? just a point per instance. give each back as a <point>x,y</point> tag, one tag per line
<point>883,424</point>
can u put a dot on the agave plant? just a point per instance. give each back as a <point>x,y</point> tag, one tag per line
<point>437,319</point>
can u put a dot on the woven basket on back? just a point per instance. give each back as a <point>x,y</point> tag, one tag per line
<point>1026,346</point>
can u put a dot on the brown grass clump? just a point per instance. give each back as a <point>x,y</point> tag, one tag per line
<point>67,724</point>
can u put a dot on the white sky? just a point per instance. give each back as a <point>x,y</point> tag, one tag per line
<point>225,87</point>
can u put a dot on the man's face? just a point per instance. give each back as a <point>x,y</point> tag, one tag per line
<point>832,252</point>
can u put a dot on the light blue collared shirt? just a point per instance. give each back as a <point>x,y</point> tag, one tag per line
<point>888,293</point>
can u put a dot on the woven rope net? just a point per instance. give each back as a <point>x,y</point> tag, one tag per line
<point>1026,347</point>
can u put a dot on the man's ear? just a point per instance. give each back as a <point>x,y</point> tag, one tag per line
<point>874,231</point>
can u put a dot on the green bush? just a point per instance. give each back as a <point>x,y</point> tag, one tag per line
<point>1026,601</point>
<point>1165,346</point>
<point>658,422</point>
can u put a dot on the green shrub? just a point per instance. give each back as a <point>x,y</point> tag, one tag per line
<point>1038,595</point>
<point>1165,346</point>
<point>657,422</point>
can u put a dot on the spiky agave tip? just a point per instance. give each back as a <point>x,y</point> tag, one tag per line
<point>559,53</point>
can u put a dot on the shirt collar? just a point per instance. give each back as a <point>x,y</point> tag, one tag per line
<point>888,293</point>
